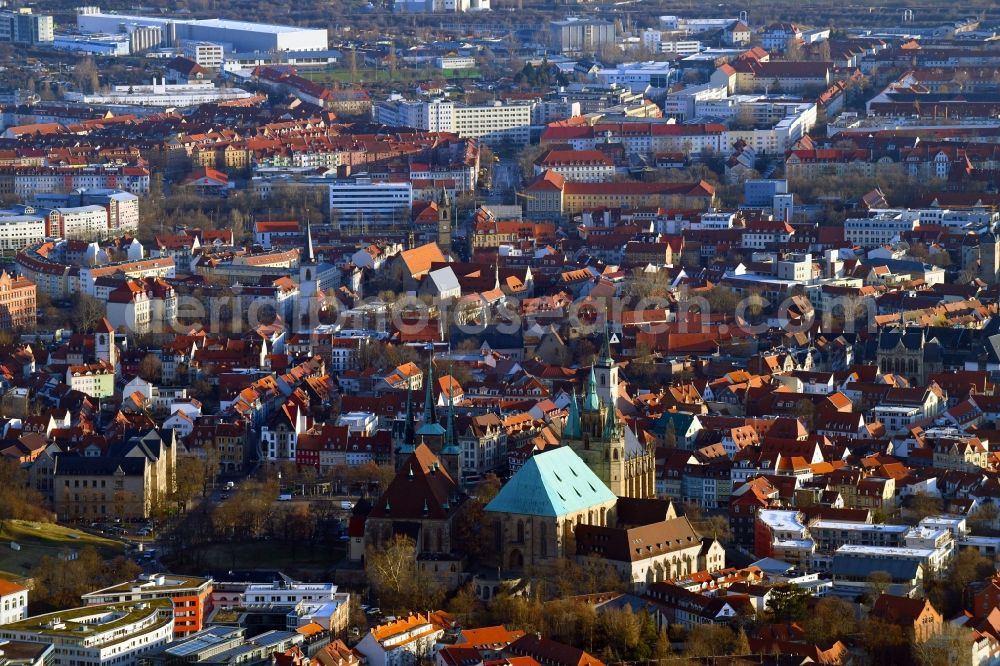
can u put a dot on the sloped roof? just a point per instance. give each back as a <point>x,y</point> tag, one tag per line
<point>554,483</point>
<point>421,489</point>
<point>419,259</point>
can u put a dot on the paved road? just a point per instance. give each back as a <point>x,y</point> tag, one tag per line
<point>506,177</point>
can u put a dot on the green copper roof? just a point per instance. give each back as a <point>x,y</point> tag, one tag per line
<point>553,483</point>
<point>430,426</point>
<point>407,441</point>
<point>681,420</point>
<point>591,401</point>
<point>450,443</point>
<point>611,423</point>
<point>573,430</point>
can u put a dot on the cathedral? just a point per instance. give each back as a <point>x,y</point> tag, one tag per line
<point>595,433</point>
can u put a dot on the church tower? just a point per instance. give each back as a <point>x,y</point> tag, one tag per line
<point>595,432</point>
<point>308,281</point>
<point>607,372</point>
<point>430,431</point>
<point>404,432</point>
<point>451,451</point>
<point>444,222</point>
<point>104,344</point>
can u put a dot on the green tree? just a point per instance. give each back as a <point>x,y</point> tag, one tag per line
<point>619,630</point>
<point>831,619</point>
<point>923,504</point>
<point>788,603</point>
<point>876,584</point>
<point>392,575</point>
<point>87,313</point>
<point>711,640</point>
<point>721,300</point>
<point>885,643</point>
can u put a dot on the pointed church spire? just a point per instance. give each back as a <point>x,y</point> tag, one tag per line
<point>430,426</point>
<point>574,429</point>
<point>308,254</point>
<point>606,360</point>
<point>611,423</point>
<point>450,444</point>
<point>429,414</point>
<point>406,445</point>
<point>591,401</point>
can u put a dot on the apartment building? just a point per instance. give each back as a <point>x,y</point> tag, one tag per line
<point>190,596</point>
<point>583,166</point>
<point>551,194</point>
<point>101,635</point>
<point>363,201</point>
<point>25,27</point>
<point>96,379</point>
<point>878,229</point>
<point>17,302</point>
<point>25,182</point>
<point>14,600</point>
<point>404,642</point>
<point>125,481</point>
<point>18,230</point>
<point>491,123</point>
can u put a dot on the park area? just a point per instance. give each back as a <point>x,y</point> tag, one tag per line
<point>23,544</point>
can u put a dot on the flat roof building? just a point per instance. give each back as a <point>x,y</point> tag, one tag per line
<point>189,594</point>
<point>233,35</point>
<point>102,635</point>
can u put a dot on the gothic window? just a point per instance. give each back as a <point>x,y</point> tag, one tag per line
<point>543,540</point>
<point>520,531</point>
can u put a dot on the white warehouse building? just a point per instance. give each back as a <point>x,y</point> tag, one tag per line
<point>234,35</point>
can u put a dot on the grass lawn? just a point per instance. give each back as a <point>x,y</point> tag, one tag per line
<point>266,555</point>
<point>368,75</point>
<point>38,540</point>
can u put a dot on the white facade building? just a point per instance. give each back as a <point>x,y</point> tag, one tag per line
<point>492,123</point>
<point>160,94</point>
<point>638,76</point>
<point>881,228</point>
<point>14,599</point>
<point>367,201</point>
<point>19,230</point>
<point>207,54</point>
<point>289,592</point>
<point>235,35</point>
<point>404,642</point>
<point>102,635</point>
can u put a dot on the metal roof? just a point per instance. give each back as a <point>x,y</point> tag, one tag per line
<point>553,483</point>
